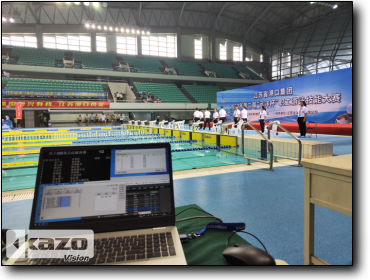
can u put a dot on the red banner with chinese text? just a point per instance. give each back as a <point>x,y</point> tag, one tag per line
<point>18,110</point>
<point>56,104</point>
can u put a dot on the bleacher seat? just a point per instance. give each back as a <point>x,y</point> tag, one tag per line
<point>203,94</point>
<point>54,86</point>
<point>168,93</point>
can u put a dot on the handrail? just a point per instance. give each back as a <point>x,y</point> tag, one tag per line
<point>264,137</point>
<point>289,133</point>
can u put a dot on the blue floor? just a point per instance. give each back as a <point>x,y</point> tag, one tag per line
<point>271,205</point>
<point>272,209</point>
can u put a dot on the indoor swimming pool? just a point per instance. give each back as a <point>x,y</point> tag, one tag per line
<point>20,159</point>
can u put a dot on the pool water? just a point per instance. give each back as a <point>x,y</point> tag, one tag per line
<point>24,176</point>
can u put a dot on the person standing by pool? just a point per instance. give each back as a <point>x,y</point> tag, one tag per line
<point>236,115</point>
<point>222,114</point>
<point>262,118</point>
<point>301,118</point>
<point>103,117</point>
<point>121,118</point>
<point>41,118</point>
<point>92,119</point>
<point>113,119</point>
<point>108,119</point>
<point>244,114</point>
<point>196,115</point>
<point>79,120</point>
<point>87,120</point>
<point>96,119</point>
<point>207,119</point>
<point>215,116</point>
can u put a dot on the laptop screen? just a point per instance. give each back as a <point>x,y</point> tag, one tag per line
<point>78,185</point>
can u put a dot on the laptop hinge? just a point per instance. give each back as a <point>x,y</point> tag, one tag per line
<point>159,228</point>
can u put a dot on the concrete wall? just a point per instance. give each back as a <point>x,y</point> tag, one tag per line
<point>125,75</point>
<point>187,46</point>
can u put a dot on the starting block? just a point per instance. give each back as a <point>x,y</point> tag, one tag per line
<point>178,125</point>
<point>152,123</point>
<point>162,123</point>
<point>195,126</point>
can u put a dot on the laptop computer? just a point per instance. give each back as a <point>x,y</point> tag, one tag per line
<point>124,193</point>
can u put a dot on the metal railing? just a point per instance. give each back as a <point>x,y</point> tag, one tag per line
<point>271,150</point>
<point>289,133</point>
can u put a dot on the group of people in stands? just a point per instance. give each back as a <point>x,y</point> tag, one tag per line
<point>105,119</point>
<point>148,97</point>
<point>119,95</point>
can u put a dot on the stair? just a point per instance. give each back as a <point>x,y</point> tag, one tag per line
<point>110,96</point>
<point>250,68</point>
<point>137,95</point>
<point>163,71</point>
<point>184,91</point>
<point>203,69</point>
<point>163,63</point>
<point>236,72</point>
<point>222,88</point>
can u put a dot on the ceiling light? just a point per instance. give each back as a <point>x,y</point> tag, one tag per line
<point>335,6</point>
<point>77,3</point>
<point>86,3</point>
<point>138,31</point>
<point>11,19</point>
<point>143,32</point>
<point>68,3</point>
<point>99,27</point>
<point>122,29</point>
<point>96,4</point>
<point>105,28</point>
<point>110,28</point>
<point>87,25</point>
<point>148,32</point>
<point>4,19</point>
<point>92,25</point>
<point>132,30</point>
<point>127,30</point>
<point>116,29</point>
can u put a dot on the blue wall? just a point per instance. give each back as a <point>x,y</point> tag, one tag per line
<point>328,96</point>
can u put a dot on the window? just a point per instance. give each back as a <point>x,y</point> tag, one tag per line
<point>198,50</point>
<point>19,40</point>
<point>156,45</point>
<point>127,45</point>
<point>68,42</point>
<point>101,44</point>
<point>237,53</point>
<point>223,51</point>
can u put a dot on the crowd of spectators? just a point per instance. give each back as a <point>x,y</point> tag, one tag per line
<point>147,97</point>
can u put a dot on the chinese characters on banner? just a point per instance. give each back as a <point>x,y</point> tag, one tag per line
<point>55,104</point>
<point>56,94</point>
<point>18,110</point>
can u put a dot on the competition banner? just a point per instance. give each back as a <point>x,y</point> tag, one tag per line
<point>56,104</point>
<point>328,97</point>
<point>56,94</point>
<point>18,110</point>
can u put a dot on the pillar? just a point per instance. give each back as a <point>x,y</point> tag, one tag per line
<point>178,42</point>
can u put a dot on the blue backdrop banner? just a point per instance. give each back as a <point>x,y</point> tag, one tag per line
<point>328,97</point>
<point>57,94</point>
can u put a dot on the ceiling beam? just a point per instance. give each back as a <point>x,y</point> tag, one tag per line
<point>141,3</point>
<point>182,9</point>
<point>256,20</point>
<point>219,14</point>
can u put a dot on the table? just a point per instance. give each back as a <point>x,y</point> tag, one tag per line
<point>327,183</point>
<point>207,249</point>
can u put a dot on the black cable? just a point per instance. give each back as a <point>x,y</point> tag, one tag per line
<point>196,217</point>
<point>227,242</point>
<point>195,209</point>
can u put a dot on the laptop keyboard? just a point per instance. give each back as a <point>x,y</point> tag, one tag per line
<point>118,249</point>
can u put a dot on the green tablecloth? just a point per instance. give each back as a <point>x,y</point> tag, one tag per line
<point>207,249</point>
